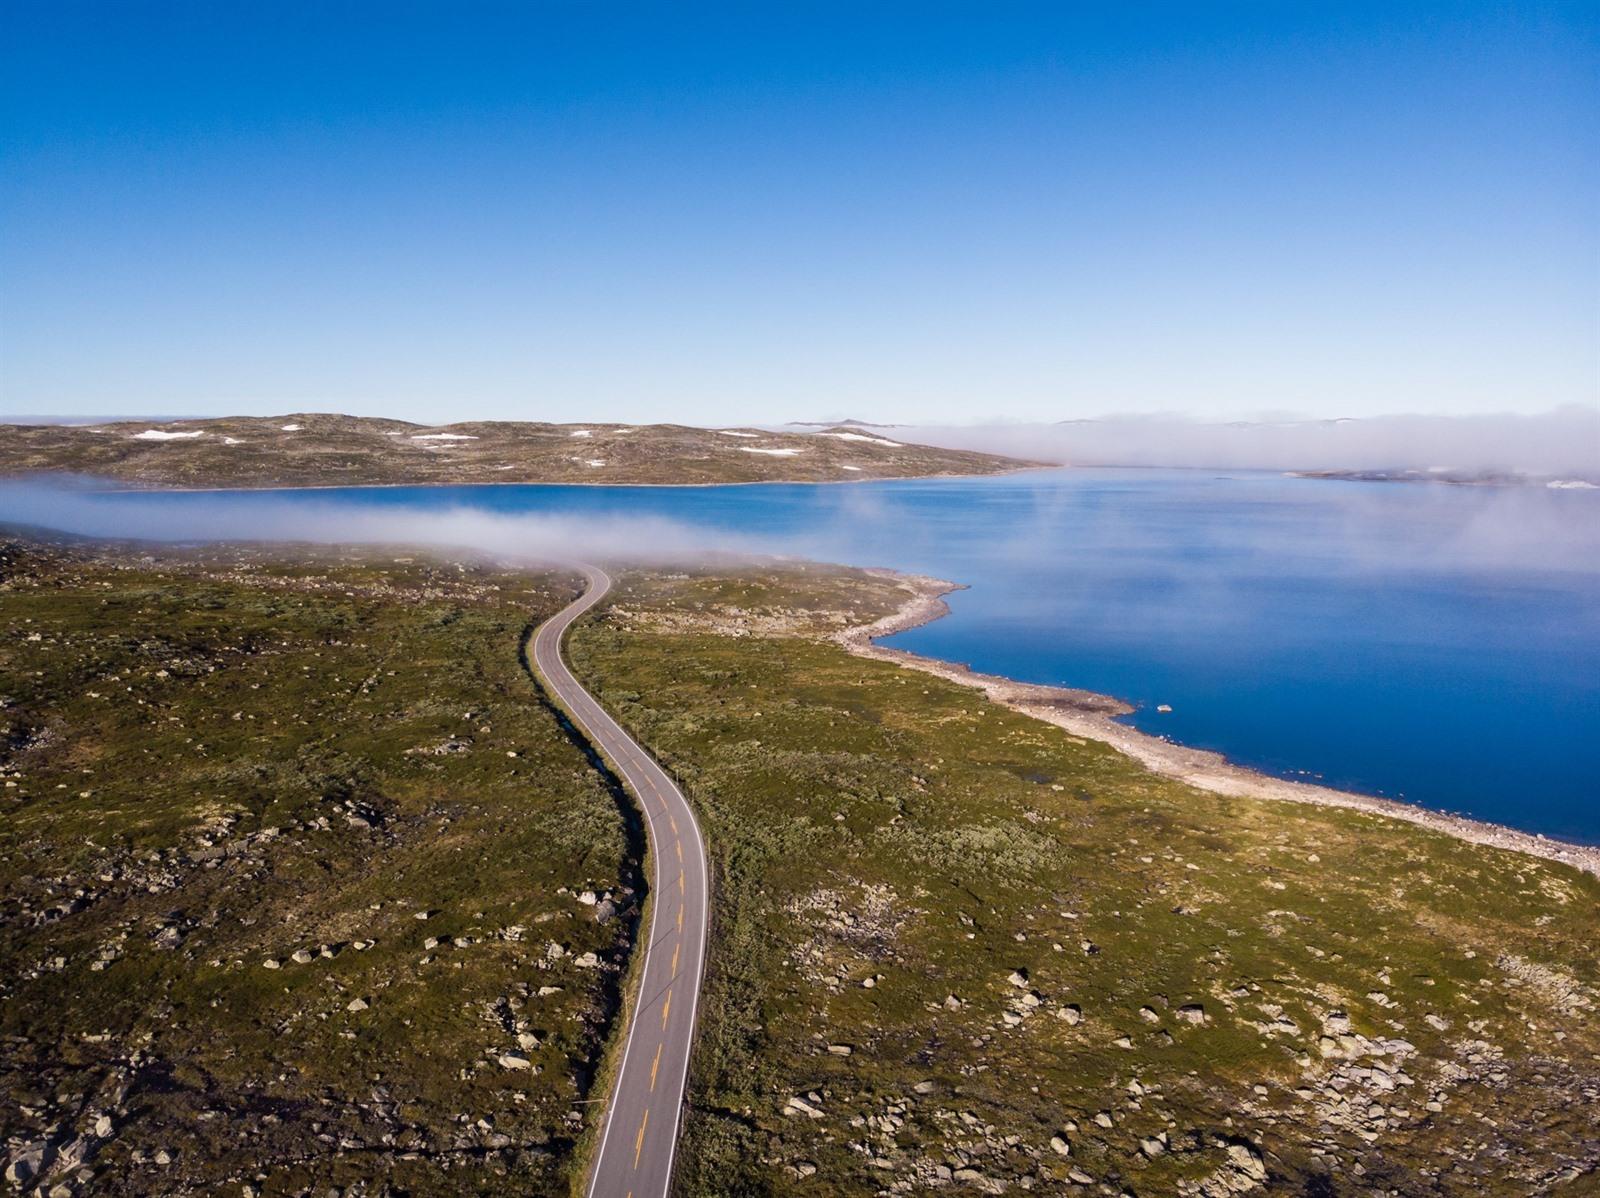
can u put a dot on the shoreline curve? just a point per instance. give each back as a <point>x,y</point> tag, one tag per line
<point>1091,715</point>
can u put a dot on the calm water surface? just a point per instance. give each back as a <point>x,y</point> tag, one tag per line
<point>1439,644</point>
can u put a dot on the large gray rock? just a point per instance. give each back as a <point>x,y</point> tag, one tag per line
<point>28,1163</point>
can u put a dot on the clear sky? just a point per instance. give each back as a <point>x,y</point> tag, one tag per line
<point>717,213</point>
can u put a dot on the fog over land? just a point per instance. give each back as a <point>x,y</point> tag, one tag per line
<point>1564,443</point>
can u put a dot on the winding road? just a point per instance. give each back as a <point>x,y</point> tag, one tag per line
<point>640,1135</point>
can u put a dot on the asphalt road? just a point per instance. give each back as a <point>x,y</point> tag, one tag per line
<point>640,1134</point>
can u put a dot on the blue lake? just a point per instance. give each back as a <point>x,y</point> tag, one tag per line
<point>1434,643</point>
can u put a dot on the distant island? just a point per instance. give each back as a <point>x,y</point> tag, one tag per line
<point>1460,478</point>
<point>319,449</point>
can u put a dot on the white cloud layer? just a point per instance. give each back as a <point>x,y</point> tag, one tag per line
<point>1562,443</point>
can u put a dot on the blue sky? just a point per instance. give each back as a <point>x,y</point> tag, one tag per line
<point>714,213</point>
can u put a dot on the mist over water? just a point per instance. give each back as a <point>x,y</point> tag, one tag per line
<point>1564,443</point>
<point>1435,643</point>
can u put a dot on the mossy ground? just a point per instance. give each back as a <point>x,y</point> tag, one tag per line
<point>1018,935</point>
<point>216,760</point>
<point>946,934</point>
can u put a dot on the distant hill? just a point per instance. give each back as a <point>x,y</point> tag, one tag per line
<point>312,449</point>
<point>849,422</point>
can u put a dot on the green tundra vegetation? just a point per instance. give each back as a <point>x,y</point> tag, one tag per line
<point>957,949</point>
<point>305,890</point>
<point>300,885</point>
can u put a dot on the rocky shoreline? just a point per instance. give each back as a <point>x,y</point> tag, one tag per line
<point>1092,715</point>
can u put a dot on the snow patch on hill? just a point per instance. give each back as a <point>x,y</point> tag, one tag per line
<point>863,437</point>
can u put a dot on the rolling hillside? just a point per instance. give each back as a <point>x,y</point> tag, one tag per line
<point>332,450</point>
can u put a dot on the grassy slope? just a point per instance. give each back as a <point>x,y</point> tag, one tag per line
<point>161,719</point>
<point>331,450</point>
<point>1380,1009</point>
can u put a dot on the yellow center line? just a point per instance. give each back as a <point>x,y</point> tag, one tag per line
<point>665,1007</point>
<point>638,1144</point>
<point>678,844</point>
<point>655,1064</point>
<point>675,949</point>
<point>681,890</point>
<point>673,820</point>
<point>680,919</point>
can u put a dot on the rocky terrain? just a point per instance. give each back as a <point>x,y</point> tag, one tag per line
<point>303,450</point>
<point>962,950</point>
<point>302,890</point>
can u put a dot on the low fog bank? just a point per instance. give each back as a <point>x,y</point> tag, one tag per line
<point>528,537</point>
<point>1563,444</point>
<point>1178,527</point>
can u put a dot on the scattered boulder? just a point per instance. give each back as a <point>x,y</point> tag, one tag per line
<point>27,1164</point>
<point>1243,1158</point>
